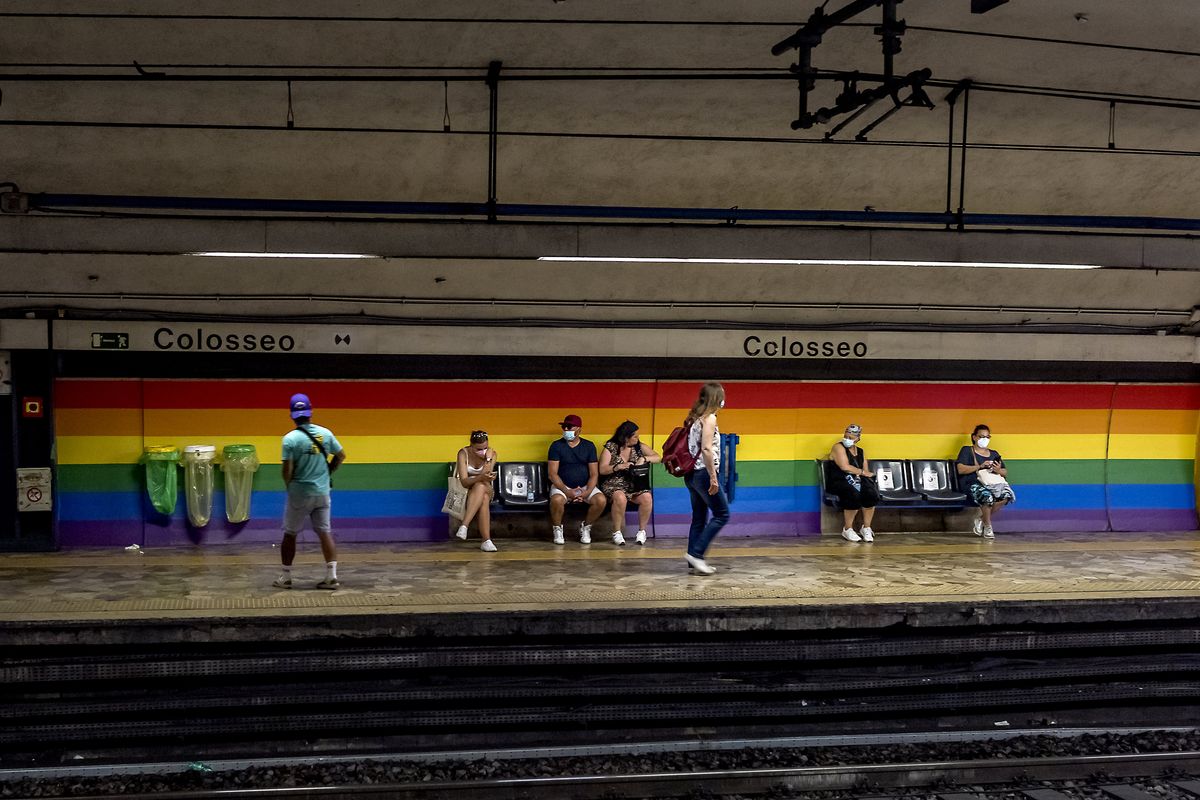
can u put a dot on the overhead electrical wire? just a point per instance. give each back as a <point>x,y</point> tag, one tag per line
<point>369,19</point>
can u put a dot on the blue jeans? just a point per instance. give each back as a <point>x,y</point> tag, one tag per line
<point>704,530</point>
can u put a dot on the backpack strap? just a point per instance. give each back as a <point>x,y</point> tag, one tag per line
<point>324,455</point>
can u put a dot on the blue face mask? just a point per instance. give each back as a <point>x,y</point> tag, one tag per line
<point>569,435</point>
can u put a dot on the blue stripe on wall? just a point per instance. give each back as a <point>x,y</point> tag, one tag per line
<point>1152,495</point>
<point>134,507</point>
<point>102,506</point>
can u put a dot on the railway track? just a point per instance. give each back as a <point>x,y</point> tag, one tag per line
<point>1111,776</point>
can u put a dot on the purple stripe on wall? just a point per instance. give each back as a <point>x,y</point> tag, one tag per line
<point>1153,519</point>
<point>219,531</point>
<point>397,529</point>
<point>1019,520</point>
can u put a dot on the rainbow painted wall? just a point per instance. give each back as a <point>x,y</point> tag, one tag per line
<point>1083,457</point>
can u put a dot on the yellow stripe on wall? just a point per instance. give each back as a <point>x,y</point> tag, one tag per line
<point>1148,445</point>
<point>99,449</point>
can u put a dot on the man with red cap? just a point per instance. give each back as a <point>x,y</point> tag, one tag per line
<point>574,472</point>
<point>310,455</point>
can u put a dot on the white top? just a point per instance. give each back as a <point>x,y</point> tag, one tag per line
<point>473,471</point>
<point>694,434</point>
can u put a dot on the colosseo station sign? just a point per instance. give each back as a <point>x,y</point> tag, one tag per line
<point>282,339</point>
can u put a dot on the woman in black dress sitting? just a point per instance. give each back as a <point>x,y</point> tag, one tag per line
<point>854,485</point>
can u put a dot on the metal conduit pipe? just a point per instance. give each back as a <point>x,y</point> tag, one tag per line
<point>62,202</point>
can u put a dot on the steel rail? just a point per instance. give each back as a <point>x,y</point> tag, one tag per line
<point>734,780</point>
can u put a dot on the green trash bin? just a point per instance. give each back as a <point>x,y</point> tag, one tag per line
<point>198,482</point>
<point>239,462</point>
<point>162,484</point>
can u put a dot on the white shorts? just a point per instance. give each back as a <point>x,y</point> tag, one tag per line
<point>300,508</point>
<point>555,490</point>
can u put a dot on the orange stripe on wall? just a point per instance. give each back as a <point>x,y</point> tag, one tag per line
<point>1154,421</point>
<point>98,421</point>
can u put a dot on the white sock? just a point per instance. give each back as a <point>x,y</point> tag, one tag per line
<point>286,574</point>
<point>331,570</point>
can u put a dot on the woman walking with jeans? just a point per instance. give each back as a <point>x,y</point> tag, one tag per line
<point>704,442</point>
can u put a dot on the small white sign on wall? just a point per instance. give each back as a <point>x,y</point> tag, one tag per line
<point>33,489</point>
<point>5,372</point>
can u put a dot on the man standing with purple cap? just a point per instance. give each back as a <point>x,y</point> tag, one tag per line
<point>574,471</point>
<point>310,455</point>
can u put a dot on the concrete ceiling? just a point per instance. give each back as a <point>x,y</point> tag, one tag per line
<point>576,141</point>
<point>635,140</point>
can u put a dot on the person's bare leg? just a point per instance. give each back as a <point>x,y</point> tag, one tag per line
<point>848,515</point>
<point>595,508</point>
<point>485,518</point>
<point>287,549</point>
<point>868,515</point>
<point>475,499</point>
<point>557,504</point>
<point>619,504</point>
<point>328,548</point>
<point>645,503</point>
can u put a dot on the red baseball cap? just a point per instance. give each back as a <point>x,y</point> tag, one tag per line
<point>571,421</point>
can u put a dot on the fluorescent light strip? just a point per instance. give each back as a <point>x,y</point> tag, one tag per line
<point>230,254</point>
<point>834,262</point>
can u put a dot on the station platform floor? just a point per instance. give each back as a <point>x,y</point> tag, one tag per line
<point>900,571</point>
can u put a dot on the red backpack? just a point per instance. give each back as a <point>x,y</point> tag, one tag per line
<point>677,458</point>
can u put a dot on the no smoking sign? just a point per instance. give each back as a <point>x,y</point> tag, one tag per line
<point>33,489</point>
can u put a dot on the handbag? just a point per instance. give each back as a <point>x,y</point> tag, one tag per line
<point>456,496</point>
<point>639,478</point>
<point>986,476</point>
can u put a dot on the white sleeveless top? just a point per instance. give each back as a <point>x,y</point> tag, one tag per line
<point>694,434</point>
<point>473,471</point>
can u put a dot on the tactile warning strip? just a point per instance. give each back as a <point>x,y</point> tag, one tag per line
<point>704,592</point>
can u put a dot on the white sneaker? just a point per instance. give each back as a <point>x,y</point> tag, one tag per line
<point>461,532</point>
<point>585,534</point>
<point>618,539</point>
<point>487,546</point>
<point>699,565</point>
<point>988,533</point>
<point>641,537</point>
<point>850,536</point>
<point>558,534</point>
<point>868,535</point>
<point>977,526</point>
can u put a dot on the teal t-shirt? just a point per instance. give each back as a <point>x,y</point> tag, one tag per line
<point>310,475</point>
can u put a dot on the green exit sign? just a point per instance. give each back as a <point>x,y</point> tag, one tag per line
<point>110,341</point>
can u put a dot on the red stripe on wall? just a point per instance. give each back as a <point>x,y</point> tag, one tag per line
<point>895,395</point>
<point>82,393</point>
<point>1157,396</point>
<point>398,394</point>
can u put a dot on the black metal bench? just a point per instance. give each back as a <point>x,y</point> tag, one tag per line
<point>904,484</point>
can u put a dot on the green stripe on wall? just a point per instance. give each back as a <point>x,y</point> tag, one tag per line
<point>1148,470</point>
<point>376,477</point>
<point>362,477</point>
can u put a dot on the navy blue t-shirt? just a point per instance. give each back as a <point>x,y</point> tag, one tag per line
<point>573,461</point>
<point>969,458</point>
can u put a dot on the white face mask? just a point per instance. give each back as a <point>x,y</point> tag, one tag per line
<point>983,441</point>
<point>848,442</point>
<point>481,451</point>
<point>569,435</point>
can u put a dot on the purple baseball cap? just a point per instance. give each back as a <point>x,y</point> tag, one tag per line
<point>300,406</point>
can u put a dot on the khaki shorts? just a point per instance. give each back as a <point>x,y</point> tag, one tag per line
<point>555,490</point>
<point>300,508</point>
